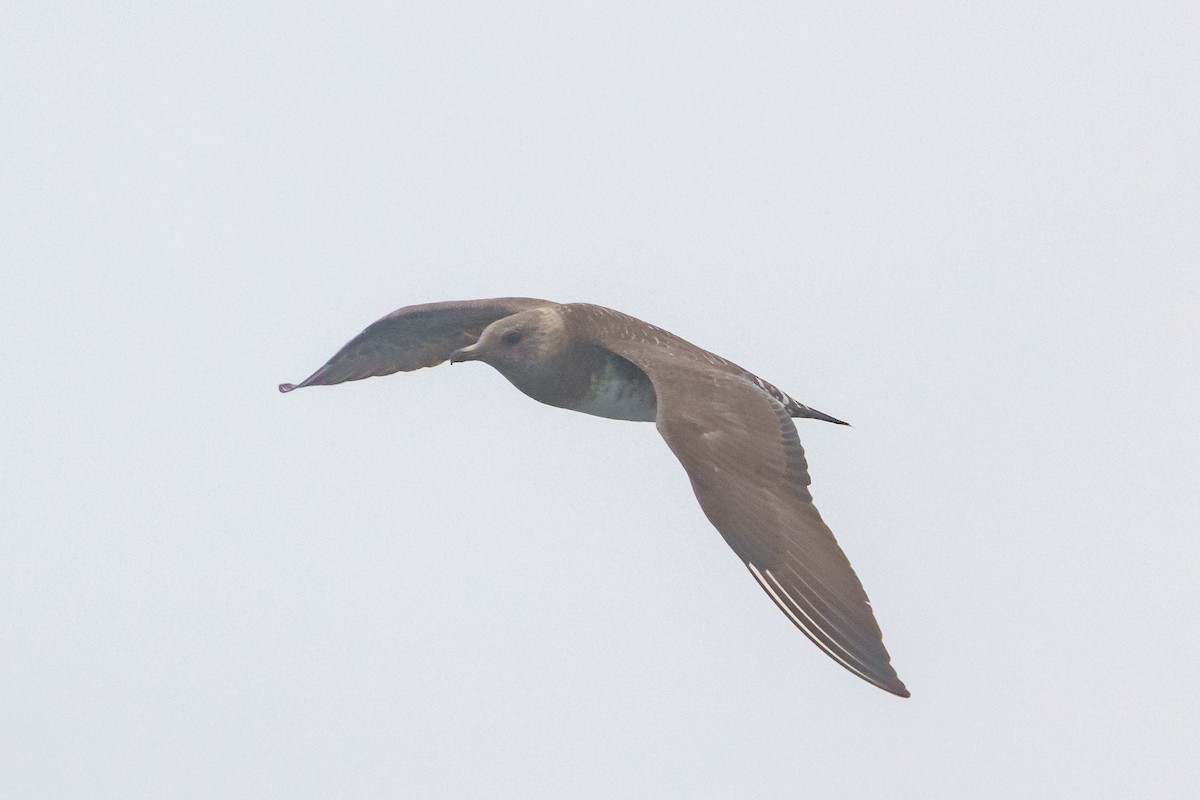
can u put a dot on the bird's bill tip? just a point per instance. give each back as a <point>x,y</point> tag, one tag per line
<point>463,354</point>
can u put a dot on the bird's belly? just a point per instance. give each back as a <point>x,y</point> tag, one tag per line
<point>620,391</point>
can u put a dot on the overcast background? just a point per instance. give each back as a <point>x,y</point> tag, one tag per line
<point>970,231</point>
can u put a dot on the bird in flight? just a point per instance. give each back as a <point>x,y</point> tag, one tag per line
<point>731,430</point>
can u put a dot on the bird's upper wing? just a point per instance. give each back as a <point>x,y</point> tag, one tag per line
<point>414,337</point>
<point>748,470</point>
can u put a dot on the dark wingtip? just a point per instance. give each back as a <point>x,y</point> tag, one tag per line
<point>286,387</point>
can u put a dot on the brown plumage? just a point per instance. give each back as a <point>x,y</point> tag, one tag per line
<point>731,430</point>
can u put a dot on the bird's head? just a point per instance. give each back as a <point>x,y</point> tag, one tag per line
<point>516,342</point>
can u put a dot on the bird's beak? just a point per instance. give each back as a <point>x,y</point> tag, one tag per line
<point>464,354</point>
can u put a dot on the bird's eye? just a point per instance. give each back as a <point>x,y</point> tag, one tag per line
<point>512,337</point>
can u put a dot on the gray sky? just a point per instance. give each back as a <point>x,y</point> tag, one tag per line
<point>971,232</point>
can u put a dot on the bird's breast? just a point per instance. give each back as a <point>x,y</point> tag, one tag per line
<point>619,390</point>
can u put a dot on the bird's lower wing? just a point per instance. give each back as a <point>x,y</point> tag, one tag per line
<point>744,458</point>
<point>414,337</point>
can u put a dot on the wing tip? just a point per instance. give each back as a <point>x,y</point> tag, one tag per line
<point>877,671</point>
